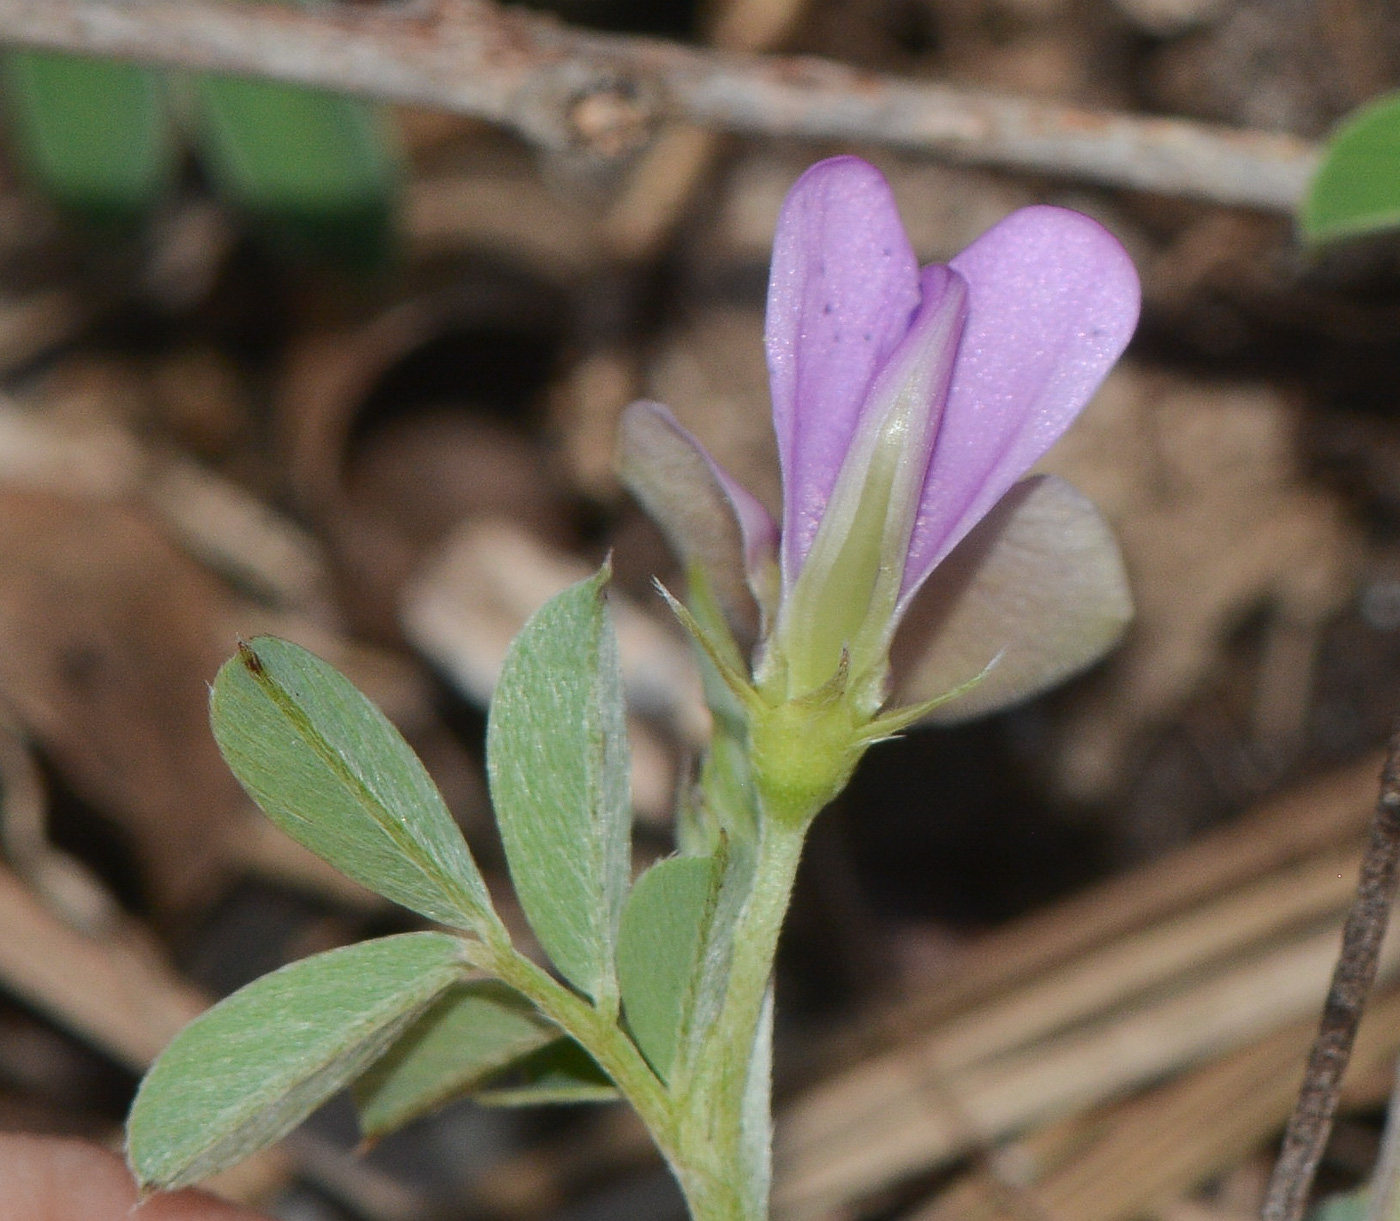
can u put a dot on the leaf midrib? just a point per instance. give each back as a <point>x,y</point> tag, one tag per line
<point>365,796</point>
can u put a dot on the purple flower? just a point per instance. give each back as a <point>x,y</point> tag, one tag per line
<point>907,404</point>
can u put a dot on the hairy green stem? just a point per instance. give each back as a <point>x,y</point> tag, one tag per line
<point>755,948</point>
<point>699,1122</point>
<point>707,1170</point>
<point>597,1032</point>
<point>711,1130</point>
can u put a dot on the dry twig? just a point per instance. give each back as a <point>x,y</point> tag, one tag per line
<point>567,88</point>
<point>1311,1123</point>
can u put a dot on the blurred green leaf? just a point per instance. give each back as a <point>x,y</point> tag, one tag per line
<point>330,770</point>
<point>317,170</point>
<point>473,1032</point>
<point>658,952</point>
<point>93,135</point>
<point>556,752</point>
<point>1350,1207</point>
<point>242,1075</point>
<point>560,1073</point>
<point>1356,189</point>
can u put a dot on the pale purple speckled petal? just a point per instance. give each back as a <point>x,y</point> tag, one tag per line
<point>843,287</point>
<point>1053,301</point>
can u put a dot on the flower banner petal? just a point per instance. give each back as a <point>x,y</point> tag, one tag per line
<point>843,287</point>
<point>1053,302</point>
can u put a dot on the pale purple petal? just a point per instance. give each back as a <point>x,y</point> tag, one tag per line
<point>1038,584</point>
<point>708,518</point>
<point>1053,300</point>
<point>843,287</point>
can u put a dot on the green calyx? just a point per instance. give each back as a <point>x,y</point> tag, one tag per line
<point>804,751</point>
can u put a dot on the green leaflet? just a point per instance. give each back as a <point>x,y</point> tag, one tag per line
<point>1356,189</point>
<point>245,1073</point>
<point>559,1073</point>
<point>315,169</point>
<point>556,753</point>
<point>93,135</point>
<point>474,1031</point>
<point>736,865</point>
<point>330,770</point>
<point>659,946</point>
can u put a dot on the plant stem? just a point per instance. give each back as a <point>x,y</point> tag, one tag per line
<point>712,1131</point>
<point>596,1032</point>
<point>1311,1122</point>
<point>717,1196</point>
<point>713,1189</point>
<point>756,945</point>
